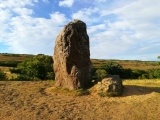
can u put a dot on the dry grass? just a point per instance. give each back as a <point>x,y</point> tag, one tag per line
<point>5,69</point>
<point>143,65</point>
<point>15,58</point>
<point>29,101</point>
<point>144,82</point>
<point>64,91</point>
<point>8,73</point>
<point>139,66</point>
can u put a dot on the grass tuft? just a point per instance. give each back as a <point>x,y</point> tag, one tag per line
<point>78,92</point>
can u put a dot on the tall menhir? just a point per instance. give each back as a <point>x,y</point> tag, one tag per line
<point>72,65</point>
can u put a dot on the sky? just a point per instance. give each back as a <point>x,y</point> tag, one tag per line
<point>118,29</point>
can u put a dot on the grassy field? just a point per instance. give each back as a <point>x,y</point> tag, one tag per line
<point>12,57</point>
<point>36,100</point>
<point>144,82</point>
<point>132,64</point>
<point>148,85</point>
<point>30,101</point>
<point>18,57</point>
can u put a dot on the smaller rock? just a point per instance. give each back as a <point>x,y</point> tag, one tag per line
<point>109,86</point>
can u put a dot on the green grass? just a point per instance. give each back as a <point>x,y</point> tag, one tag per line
<point>65,91</point>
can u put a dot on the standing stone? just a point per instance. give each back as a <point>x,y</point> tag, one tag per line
<point>72,65</point>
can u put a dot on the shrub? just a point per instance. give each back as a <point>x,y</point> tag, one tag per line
<point>15,70</point>
<point>23,77</point>
<point>101,73</point>
<point>113,68</point>
<point>137,73</point>
<point>144,76</point>
<point>9,63</point>
<point>39,67</point>
<point>2,75</point>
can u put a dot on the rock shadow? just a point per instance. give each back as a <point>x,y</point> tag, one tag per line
<point>130,90</point>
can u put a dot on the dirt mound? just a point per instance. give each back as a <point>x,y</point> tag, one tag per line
<point>29,101</point>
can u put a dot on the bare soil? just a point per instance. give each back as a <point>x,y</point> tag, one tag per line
<point>29,101</point>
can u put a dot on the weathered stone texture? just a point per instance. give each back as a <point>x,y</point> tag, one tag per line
<point>109,86</point>
<point>72,65</point>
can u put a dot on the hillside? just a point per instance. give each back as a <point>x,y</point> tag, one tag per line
<point>132,64</point>
<point>15,57</point>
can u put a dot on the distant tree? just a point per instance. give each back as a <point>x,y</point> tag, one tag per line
<point>127,73</point>
<point>113,68</point>
<point>9,63</point>
<point>158,57</point>
<point>2,75</point>
<point>136,73</point>
<point>37,67</point>
<point>150,74</point>
<point>155,73</point>
<point>144,76</point>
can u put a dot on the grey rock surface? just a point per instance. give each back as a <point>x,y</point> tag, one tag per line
<point>110,86</point>
<point>72,65</point>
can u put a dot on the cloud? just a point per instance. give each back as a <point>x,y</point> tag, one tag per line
<point>101,0</point>
<point>17,3</point>
<point>5,15</point>
<point>94,28</point>
<point>127,36</point>
<point>23,11</point>
<point>45,1</point>
<point>59,18</point>
<point>33,35</point>
<point>87,15</point>
<point>66,3</point>
<point>26,34</point>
